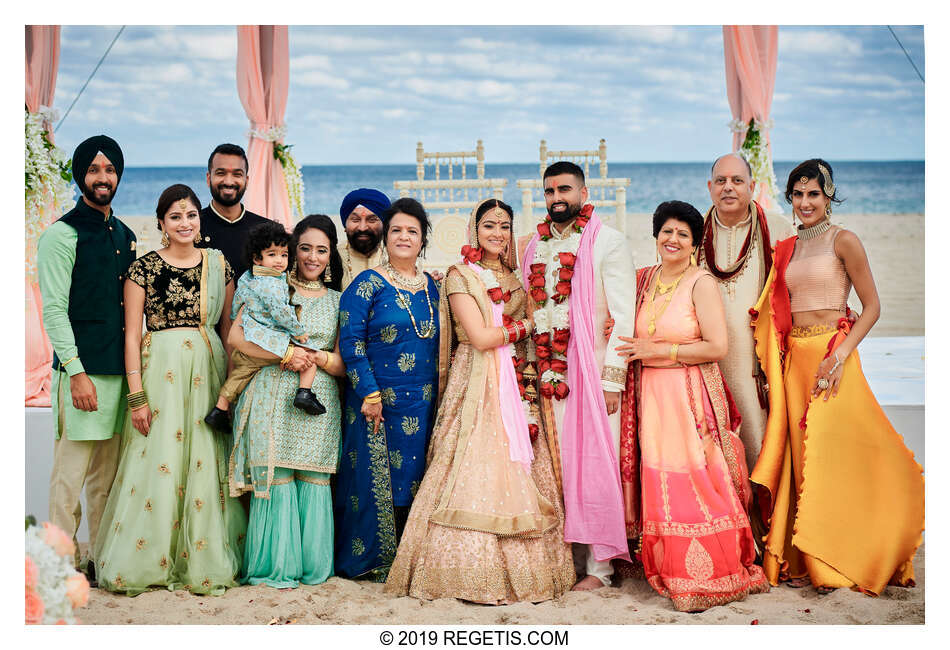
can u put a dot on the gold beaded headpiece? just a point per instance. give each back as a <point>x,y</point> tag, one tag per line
<point>826,185</point>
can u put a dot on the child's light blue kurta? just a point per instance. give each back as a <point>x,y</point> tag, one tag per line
<point>269,319</point>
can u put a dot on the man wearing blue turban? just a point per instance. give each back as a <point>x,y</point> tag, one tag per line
<point>361,212</point>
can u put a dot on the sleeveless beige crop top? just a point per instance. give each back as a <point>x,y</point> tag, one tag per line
<point>816,277</point>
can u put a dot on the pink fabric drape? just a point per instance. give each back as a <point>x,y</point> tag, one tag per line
<point>263,76</point>
<point>593,499</point>
<point>42,64</point>
<point>512,410</point>
<point>751,54</point>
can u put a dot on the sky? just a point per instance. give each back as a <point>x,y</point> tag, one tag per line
<point>365,95</point>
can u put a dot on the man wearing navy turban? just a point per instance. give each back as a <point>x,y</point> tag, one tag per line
<point>82,259</point>
<point>361,212</point>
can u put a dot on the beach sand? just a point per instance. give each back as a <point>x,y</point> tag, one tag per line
<point>894,244</point>
<point>344,602</point>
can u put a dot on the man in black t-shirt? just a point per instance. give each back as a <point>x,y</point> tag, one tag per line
<point>224,222</point>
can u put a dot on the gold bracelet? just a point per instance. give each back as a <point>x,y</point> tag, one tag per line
<point>504,335</point>
<point>63,365</point>
<point>673,350</point>
<point>137,399</point>
<point>373,398</point>
<point>288,355</point>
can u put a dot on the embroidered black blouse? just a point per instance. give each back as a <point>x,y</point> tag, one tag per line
<point>172,295</point>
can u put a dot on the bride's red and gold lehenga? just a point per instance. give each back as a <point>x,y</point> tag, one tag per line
<point>683,467</point>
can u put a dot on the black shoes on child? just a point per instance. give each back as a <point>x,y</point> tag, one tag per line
<point>305,400</point>
<point>218,420</point>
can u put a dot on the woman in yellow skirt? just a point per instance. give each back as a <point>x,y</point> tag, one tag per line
<point>843,495</point>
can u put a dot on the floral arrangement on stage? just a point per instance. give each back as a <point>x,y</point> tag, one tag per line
<point>49,191</point>
<point>53,587</point>
<point>292,176</point>
<point>755,151</point>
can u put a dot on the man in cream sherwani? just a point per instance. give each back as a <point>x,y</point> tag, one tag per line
<point>741,270</point>
<point>565,195</point>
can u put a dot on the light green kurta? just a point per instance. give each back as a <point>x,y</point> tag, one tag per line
<point>55,257</point>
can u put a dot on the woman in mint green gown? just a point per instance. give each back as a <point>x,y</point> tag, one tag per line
<point>169,521</point>
<point>282,454</point>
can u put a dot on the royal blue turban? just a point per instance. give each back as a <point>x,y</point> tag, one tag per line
<point>373,200</point>
<point>86,152</point>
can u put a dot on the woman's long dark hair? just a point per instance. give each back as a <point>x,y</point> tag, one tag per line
<point>324,224</point>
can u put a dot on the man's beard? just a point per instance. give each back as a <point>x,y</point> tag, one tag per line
<point>90,193</point>
<point>216,195</point>
<point>362,244</point>
<point>565,215</point>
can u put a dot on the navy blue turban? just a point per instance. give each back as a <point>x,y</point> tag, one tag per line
<point>86,152</point>
<point>373,200</point>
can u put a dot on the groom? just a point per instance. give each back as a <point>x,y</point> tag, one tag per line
<point>577,270</point>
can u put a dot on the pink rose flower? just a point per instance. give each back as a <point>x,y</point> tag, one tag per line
<point>55,537</point>
<point>34,608</point>
<point>77,590</point>
<point>31,573</point>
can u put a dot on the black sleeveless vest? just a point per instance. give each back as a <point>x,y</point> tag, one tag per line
<point>104,250</point>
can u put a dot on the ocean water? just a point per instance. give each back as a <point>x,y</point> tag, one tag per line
<point>893,187</point>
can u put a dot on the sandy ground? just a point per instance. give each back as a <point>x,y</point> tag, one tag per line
<point>344,602</point>
<point>893,243</point>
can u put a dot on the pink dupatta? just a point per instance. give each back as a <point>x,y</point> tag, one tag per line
<point>512,410</point>
<point>593,500</point>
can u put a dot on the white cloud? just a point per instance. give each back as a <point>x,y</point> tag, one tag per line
<point>309,62</point>
<point>817,42</point>
<point>320,79</point>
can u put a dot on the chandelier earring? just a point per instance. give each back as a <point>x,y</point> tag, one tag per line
<point>197,236</point>
<point>327,275</point>
<point>165,241</point>
<point>692,258</point>
<point>828,209</point>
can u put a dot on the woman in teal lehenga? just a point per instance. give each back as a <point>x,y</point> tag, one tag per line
<point>283,455</point>
<point>169,520</point>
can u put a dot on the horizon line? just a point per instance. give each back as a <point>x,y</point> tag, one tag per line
<point>500,162</point>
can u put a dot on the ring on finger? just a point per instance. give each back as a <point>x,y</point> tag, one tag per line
<point>823,384</point>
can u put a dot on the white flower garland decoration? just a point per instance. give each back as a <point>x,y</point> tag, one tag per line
<point>553,315</point>
<point>756,153</point>
<point>49,191</point>
<point>293,178</point>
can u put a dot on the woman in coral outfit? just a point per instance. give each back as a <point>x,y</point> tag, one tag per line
<point>681,425</point>
<point>843,494</point>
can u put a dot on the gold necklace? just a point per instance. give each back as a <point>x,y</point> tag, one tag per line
<point>309,285</point>
<point>428,327</point>
<point>413,285</point>
<point>663,289</point>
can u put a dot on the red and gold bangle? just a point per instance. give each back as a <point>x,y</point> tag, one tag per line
<point>505,334</point>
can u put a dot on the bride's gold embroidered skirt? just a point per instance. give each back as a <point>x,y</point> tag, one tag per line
<point>481,528</point>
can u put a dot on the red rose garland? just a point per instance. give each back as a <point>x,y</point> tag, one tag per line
<point>556,340</point>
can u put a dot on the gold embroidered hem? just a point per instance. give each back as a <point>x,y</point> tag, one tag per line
<point>615,375</point>
<point>801,332</point>
<point>524,525</point>
<point>310,479</point>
